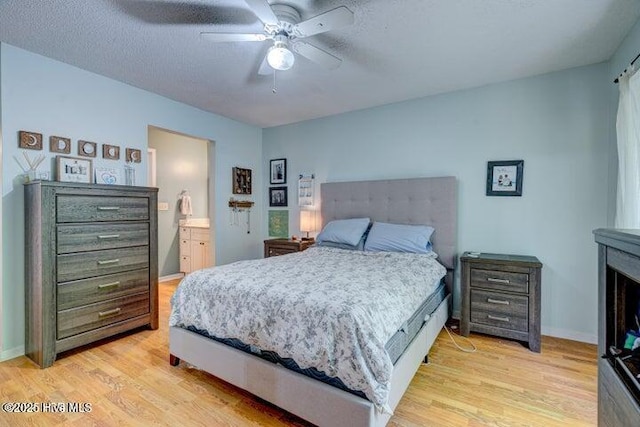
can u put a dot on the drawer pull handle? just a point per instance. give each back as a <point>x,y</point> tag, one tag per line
<point>493,279</point>
<point>109,261</point>
<point>499,318</point>
<point>109,236</point>
<point>109,312</point>
<point>109,285</point>
<point>498,301</point>
<point>108,208</point>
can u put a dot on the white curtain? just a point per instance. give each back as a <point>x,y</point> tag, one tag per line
<point>628,133</point>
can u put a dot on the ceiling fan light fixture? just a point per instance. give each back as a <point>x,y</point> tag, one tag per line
<point>280,57</point>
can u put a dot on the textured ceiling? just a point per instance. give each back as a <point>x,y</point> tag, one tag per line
<point>396,49</point>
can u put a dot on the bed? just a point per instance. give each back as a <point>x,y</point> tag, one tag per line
<point>412,201</point>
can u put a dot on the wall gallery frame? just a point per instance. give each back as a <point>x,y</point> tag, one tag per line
<point>279,224</point>
<point>59,144</point>
<point>241,181</point>
<point>278,171</point>
<point>72,169</point>
<point>504,178</point>
<point>30,140</point>
<point>87,148</point>
<point>278,197</point>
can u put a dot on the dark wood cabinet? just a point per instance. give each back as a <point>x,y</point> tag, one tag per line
<point>275,247</point>
<point>501,296</point>
<point>618,303</point>
<point>91,264</point>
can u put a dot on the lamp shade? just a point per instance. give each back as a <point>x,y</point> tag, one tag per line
<point>307,221</point>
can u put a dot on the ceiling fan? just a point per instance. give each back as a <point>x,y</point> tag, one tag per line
<point>283,26</point>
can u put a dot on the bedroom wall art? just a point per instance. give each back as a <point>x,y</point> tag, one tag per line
<point>87,148</point>
<point>279,224</point>
<point>73,169</point>
<point>278,171</point>
<point>59,144</point>
<point>110,152</point>
<point>241,181</point>
<point>504,178</point>
<point>278,196</point>
<point>108,176</point>
<point>30,140</point>
<point>305,190</point>
<point>133,155</point>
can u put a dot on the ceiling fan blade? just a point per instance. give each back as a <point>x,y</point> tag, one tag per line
<point>233,37</point>
<point>263,11</point>
<point>335,18</point>
<point>265,69</point>
<point>317,55</point>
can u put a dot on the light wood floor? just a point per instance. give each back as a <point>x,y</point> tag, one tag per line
<point>128,381</point>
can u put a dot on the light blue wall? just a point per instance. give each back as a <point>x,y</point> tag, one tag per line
<point>557,123</point>
<point>53,98</point>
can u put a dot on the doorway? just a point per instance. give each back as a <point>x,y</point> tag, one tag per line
<point>180,165</point>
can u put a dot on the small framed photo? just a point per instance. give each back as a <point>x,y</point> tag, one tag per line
<point>108,176</point>
<point>241,181</point>
<point>58,144</point>
<point>278,171</point>
<point>87,149</point>
<point>72,169</point>
<point>30,140</point>
<point>278,196</point>
<point>110,152</point>
<point>504,178</point>
<point>133,155</point>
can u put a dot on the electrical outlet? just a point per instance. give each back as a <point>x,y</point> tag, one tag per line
<point>163,206</point>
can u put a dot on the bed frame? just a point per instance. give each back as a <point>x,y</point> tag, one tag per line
<point>429,201</point>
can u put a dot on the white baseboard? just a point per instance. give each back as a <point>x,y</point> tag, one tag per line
<point>12,353</point>
<point>570,335</point>
<point>171,277</point>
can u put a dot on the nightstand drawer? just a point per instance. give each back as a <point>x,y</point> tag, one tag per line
<point>278,250</point>
<point>500,280</point>
<point>501,310</point>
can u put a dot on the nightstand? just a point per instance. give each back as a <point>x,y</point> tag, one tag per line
<point>501,296</point>
<point>275,247</point>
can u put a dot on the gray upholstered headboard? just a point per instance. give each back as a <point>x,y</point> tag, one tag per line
<point>430,201</point>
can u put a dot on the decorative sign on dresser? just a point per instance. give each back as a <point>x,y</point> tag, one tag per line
<point>91,264</point>
<point>618,327</point>
<point>501,296</point>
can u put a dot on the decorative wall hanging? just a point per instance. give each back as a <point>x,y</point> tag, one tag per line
<point>279,224</point>
<point>30,140</point>
<point>305,190</point>
<point>87,149</point>
<point>72,169</point>
<point>241,181</point>
<point>278,171</point>
<point>278,196</point>
<point>504,178</point>
<point>58,144</point>
<point>133,155</point>
<point>110,152</point>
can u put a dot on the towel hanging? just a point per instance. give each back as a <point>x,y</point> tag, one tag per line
<point>185,203</point>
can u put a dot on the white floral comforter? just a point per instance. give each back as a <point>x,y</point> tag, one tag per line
<point>327,308</point>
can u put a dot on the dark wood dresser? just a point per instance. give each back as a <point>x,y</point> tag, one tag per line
<point>275,247</point>
<point>91,264</point>
<point>501,296</point>
<point>618,306</point>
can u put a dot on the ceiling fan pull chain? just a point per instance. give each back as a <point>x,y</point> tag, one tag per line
<point>274,90</point>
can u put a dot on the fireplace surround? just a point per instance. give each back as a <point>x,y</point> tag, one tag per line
<point>618,326</point>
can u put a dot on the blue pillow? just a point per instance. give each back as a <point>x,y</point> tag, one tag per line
<point>346,231</point>
<point>399,238</point>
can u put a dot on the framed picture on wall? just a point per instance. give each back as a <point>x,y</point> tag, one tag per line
<point>278,171</point>
<point>504,178</point>
<point>73,169</point>
<point>241,181</point>
<point>278,196</point>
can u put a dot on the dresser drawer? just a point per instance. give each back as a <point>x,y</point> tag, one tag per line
<point>98,263</point>
<point>86,318</point>
<point>102,288</point>
<point>502,310</point>
<point>201,234</point>
<point>500,280</point>
<point>279,250</point>
<point>94,208</point>
<point>85,237</point>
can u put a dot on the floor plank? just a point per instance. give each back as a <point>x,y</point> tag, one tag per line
<point>128,381</point>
